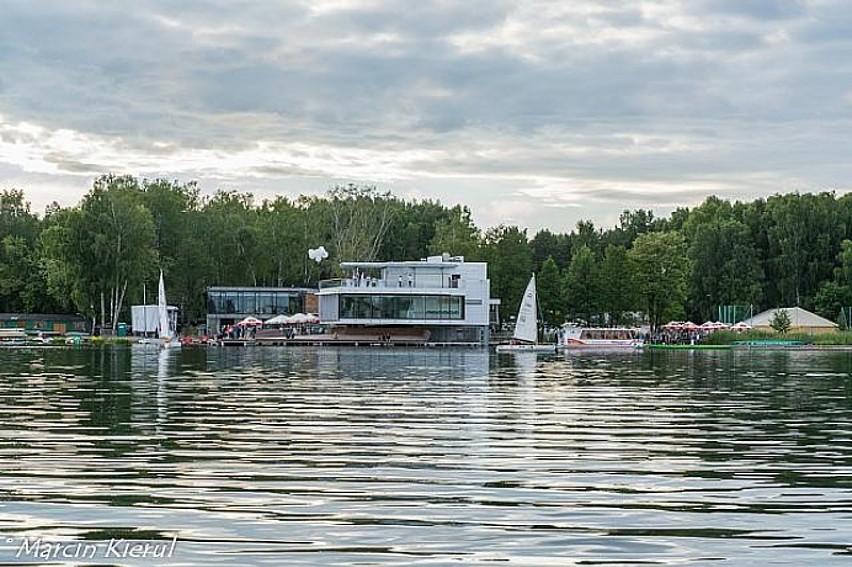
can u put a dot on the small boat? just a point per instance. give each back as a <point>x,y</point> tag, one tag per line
<point>571,337</point>
<point>13,336</point>
<point>525,337</point>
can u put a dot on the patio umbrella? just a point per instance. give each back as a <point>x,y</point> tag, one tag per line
<point>250,322</point>
<point>713,326</point>
<point>277,320</point>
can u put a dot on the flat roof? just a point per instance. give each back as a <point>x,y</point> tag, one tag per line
<point>262,289</point>
<point>41,316</point>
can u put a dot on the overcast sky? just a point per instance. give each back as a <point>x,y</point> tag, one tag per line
<point>536,113</point>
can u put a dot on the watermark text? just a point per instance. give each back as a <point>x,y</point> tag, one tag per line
<point>116,548</point>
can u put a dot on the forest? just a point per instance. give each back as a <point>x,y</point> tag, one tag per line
<point>104,254</point>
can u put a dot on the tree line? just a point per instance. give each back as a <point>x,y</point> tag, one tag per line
<point>105,253</point>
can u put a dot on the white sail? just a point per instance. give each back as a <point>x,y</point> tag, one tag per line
<point>163,312</point>
<point>526,326</point>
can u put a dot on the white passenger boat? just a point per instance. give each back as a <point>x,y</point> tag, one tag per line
<point>571,337</point>
<point>525,337</point>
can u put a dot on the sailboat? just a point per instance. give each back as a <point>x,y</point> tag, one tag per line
<point>166,333</point>
<point>525,337</point>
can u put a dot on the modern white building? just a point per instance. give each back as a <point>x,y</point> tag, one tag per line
<point>441,298</point>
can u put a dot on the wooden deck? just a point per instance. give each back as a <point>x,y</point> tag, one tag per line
<point>333,339</point>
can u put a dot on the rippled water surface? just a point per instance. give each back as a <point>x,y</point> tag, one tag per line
<point>277,456</point>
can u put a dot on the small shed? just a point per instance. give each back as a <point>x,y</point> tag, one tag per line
<point>801,320</point>
<point>55,323</point>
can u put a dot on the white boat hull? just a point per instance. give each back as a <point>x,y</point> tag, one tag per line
<point>601,344</point>
<point>573,337</point>
<point>526,348</point>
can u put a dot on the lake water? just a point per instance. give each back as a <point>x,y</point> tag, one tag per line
<point>300,456</point>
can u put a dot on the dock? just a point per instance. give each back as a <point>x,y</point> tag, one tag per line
<point>353,338</point>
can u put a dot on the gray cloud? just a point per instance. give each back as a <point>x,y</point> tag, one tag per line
<point>584,105</point>
<point>756,9</point>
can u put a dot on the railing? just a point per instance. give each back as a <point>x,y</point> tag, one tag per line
<point>325,284</point>
<point>389,284</point>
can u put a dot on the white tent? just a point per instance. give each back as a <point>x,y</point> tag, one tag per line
<point>800,320</point>
<point>146,319</point>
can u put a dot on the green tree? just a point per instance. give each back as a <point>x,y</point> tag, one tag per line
<point>843,273</point>
<point>314,223</point>
<point>17,268</point>
<point>551,295</point>
<point>412,228</point>
<point>231,240</point>
<point>586,235</point>
<point>510,265</point>
<point>457,235</point>
<point>630,225</point>
<point>179,245</point>
<point>279,232</point>
<point>360,218</point>
<point>581,283</point>
<point>725,266</point>
<point>836,294</point>
<point>616,289</point>
<point>780,321</point>
<point>660,267</point>
<point>59,272</point>
<point>103,248</point>
<point>22,282</point>
<point>546,244</point>
<point>804,234</point>
<point>831,298</point>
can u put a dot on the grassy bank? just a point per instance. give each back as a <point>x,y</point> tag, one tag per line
<point>731,337</point>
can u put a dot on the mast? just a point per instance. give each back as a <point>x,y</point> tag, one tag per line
<point>163,312</point>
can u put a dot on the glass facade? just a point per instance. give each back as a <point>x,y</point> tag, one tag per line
<point>377,306</point>
<point>227,302</point>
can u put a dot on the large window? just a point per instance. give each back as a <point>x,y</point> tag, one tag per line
<point>221,302</point>
<point>375,306</point>
<point>266,303</point>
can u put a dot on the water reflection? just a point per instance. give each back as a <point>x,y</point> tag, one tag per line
<point>387,456</point>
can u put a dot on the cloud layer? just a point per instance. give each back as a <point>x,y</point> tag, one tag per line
<point>538,113</point>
